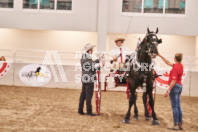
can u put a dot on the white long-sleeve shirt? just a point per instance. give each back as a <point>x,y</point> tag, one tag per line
<point>118,50</point>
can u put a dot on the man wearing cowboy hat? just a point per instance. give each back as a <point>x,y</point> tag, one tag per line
<point>88,78</point>
<point>119,52</point>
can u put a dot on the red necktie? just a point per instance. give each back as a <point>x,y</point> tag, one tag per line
<point>121,54</point>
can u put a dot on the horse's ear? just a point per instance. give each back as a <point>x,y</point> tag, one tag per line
<point>156,31</point>
<point>148,30</point>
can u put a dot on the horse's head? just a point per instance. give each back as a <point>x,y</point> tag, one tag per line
<point>149,44</point>
<point>152,42</point>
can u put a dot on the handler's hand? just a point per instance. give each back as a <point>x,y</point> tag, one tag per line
<point>166,94</point>
<point>115,58</point>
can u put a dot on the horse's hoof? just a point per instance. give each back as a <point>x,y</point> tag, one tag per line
<point>136,117</point>
<point>156,122</point>
<point>126,121</point>
<point>147,118</point>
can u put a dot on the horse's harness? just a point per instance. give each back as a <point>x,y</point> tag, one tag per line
<point>150,44</point>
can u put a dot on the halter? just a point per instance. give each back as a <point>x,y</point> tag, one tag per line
<point>149,44</point>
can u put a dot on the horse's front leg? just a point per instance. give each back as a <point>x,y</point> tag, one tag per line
<point>131,102</point>
<point>147,117</point>
<point>151,103</point>
<point>135,109</point>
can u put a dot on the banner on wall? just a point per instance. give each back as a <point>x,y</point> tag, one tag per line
<point>162,81</point>
<point>35,75</point>
<point>4,68</point>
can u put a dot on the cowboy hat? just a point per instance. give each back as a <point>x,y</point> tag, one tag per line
<point>119,39</point>
<point>88,47</point>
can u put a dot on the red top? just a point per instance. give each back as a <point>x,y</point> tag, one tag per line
<point>176,73</point>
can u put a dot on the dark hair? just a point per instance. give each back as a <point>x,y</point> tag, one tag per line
<point>178,57</point>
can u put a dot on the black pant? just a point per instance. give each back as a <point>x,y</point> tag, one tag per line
<point>87,93</point>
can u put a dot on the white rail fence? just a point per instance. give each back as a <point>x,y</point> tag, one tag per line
<point>19,58</point>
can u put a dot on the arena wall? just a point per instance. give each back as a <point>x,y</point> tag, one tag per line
<point>169,24</point>
<point>71,41</point>
<point>15,39</point>
<point>98,22</point>
<point>84,17</point>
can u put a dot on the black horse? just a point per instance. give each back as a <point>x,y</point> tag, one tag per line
<point>141,74</point>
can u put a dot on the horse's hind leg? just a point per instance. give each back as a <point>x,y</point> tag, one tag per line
<point>135,109</point>
<point>131,102</point>
<point>147,117</point>
<point>151,103</point>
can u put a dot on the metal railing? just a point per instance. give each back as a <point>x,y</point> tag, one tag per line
<point>38,56</point>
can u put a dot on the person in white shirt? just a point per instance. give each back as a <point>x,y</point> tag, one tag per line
<point>120,51</point>
<point>119,54</point>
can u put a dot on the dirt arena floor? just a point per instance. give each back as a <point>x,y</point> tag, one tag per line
<point>28,109</point>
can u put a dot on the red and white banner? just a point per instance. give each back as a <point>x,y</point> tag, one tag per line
<point>4,68</point>
<point>97,90</point>
<point>162,81</point>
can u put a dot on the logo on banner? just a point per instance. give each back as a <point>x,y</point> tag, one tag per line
<point>4,68</point>
<point>35,75</point>
<point>162,81</point>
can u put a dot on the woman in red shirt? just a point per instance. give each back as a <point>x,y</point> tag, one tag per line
<point>175,89</point>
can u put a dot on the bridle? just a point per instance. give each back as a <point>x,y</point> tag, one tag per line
<point>134,58</point>
<point>149,43</point>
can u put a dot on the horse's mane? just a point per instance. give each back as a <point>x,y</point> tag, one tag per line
<point>142,44</point>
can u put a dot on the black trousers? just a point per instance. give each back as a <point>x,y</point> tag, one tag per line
<point>86,94</point>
